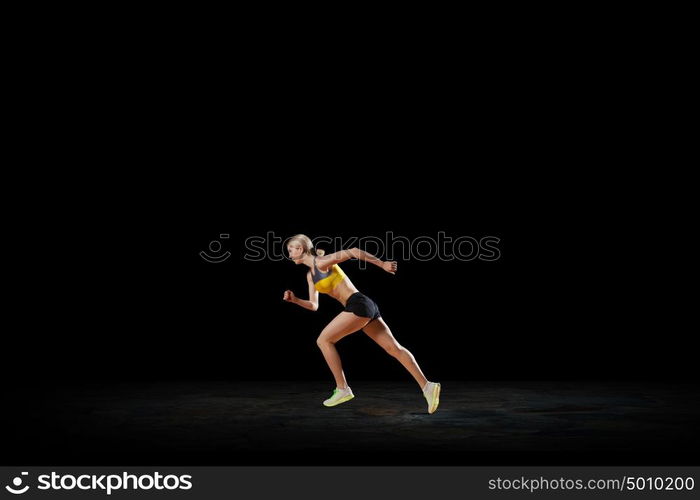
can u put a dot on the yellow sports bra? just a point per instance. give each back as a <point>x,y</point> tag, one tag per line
<point>326,282</point>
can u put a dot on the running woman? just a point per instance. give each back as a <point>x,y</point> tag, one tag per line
<point>361,313</point>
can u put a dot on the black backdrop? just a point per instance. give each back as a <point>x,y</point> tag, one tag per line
<point>131,173</point>
<point>109,279</point>
<point>117,289</point>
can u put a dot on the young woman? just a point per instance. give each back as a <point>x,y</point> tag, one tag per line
<point>361,313</point>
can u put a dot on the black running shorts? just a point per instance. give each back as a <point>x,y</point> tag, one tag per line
<point>361,305</point>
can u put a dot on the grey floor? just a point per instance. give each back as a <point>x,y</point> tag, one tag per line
<point>285,423</point>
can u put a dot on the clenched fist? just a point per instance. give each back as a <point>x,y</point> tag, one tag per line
<point>289,296</point>
<point>390,266</point>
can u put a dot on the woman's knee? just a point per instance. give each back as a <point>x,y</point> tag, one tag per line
<point>394,349</point>
<point>322,341</point>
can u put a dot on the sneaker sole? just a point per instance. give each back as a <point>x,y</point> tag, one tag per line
<point>436,399</point>
<point>341,400</point>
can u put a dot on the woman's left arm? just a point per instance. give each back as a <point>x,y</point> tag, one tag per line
<point>355,253</point>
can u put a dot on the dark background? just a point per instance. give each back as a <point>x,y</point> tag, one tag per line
<point>153,156</point>
<point>118,290</point>
<point>111,285</point>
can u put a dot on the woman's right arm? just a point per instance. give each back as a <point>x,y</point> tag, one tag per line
<point>312,303</point>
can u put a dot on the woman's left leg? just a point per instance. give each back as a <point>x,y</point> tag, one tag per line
<point>342,325</point>
<point>378,331</point>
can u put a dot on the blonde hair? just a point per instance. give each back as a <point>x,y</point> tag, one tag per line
<point>306,243</point>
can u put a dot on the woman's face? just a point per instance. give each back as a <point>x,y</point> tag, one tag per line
<point>295,251</point>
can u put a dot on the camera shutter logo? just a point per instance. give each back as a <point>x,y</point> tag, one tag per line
<point>17,482</point>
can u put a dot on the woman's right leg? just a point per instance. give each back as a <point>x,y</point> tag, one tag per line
<point>378,331</point>
<point>342,325</point>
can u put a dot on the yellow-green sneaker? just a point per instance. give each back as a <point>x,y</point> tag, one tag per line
<point>431,391</point>
<point>339,396</point>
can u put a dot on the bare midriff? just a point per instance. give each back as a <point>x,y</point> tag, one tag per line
<point>343,291</point>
